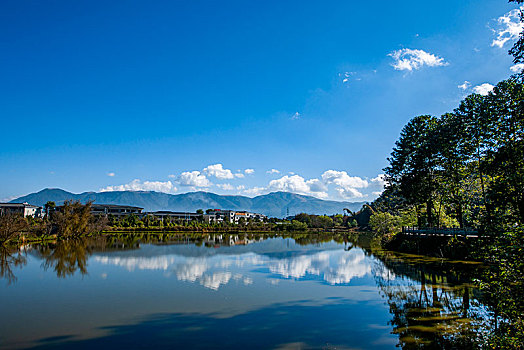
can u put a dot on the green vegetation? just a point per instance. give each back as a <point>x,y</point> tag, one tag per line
<point>74,220</point>
<point>466,169</point>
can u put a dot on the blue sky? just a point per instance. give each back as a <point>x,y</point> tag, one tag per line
<point>178,96</point>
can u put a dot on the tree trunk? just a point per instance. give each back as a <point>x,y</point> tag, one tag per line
<point>460,215</point>
<point>429,212</point>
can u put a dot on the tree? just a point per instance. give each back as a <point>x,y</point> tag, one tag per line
<point>458,143</point>
<point>297,226</point>
<point>72,219</point>
<point>384,223</point>
<point>11,225</point>
<point>504,160</point>
<point>413,164</point>
<point>517,51</point>
<point>49,206</point>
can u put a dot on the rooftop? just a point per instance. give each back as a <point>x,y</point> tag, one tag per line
<point>17,205</point>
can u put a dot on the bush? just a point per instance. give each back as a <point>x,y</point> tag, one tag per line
<point>384,223</point>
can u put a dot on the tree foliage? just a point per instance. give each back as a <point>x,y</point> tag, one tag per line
<point>467,165</point>
<point>11,225</point>
<point>517,51</point>
<point>75,219</point>
<point>466,168</point>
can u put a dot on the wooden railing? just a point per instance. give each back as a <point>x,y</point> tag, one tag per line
<point>440,231</point>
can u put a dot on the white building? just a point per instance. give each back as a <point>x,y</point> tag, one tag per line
<point>231,216</point>
<point>23,209</point>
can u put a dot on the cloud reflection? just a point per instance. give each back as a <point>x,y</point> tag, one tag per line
<point>334,267</point>
<point>213,272</point>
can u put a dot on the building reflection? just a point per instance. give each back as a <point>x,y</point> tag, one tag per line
<point>432,303</point>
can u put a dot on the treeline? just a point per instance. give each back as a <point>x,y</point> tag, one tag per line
<point>151,221</point>
<point>465,168</point>
<point>72,219</point>
<point>324,221</point>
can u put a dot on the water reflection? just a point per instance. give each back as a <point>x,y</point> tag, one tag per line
<point>10,258</point>
<point>66,257</point>
<point>334,266</point>
<point>434,304</point>
<point>302,291</point>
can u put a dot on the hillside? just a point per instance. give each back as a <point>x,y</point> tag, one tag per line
<point>276,204</point>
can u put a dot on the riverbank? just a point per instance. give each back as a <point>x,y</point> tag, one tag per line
<point>450,247</point>
<point>168,234</point>
<point>500,281</point>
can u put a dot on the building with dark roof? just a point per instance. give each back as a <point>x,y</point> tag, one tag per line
<point>23,209</point>
<point>175,215</point>
<point>115,210</point>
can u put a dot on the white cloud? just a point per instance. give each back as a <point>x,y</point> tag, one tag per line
<point>332,184</point>
<point>110,174</point>
<point>219,172</point>
<point>517,68</point>
<point>226,187</point>
<point>297,184</point>
<point>315,185</point>
<point>378,183</point>
<point>341,178</point>
<point>137,185</point>
<point>345,76</point>
<point>8,199</point>
<point>465,86</point>
<point>346,186</point>
<point>254,191</point>
<point>483,89</point>
<point>509,28</point>
<point>193,178</point>
<point>380,180</point>
<point>408,59</point>
<point>348,193</point>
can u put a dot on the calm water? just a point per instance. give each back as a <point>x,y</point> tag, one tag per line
<point>232,292</point>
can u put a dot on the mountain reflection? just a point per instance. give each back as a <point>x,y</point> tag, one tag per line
<point>331,266</point>
<point>429,303</point>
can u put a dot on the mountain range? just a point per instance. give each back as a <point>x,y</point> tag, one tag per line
<point>275,204</point>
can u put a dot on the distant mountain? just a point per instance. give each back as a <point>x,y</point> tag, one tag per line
<point>275,204</point>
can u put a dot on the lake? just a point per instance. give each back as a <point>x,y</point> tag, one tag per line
<point>233,292</point>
